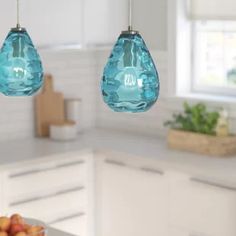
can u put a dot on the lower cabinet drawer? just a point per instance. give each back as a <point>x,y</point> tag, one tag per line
<point>48,206</point>
<point>45,176</point>
<point>74,224</point>
<point>178,232</point>
<point>203,206</point>
<point>181,232</point>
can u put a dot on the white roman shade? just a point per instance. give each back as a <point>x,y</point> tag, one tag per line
<point>212,9</point>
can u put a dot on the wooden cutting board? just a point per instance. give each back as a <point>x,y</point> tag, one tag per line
<point>49,107</point>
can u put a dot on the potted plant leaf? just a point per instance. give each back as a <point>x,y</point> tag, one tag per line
<point>195,130</point>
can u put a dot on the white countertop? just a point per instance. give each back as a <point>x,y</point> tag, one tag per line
<point>221,169</point>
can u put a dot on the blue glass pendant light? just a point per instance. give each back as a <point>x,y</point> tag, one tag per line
<point>130,80</point>
<point>21,72</point>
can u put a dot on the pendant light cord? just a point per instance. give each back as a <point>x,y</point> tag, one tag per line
<point>18,13</point>
<point>130,28</point>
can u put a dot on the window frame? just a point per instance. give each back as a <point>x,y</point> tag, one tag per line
<point>180,33</point>
<point>175,95</point>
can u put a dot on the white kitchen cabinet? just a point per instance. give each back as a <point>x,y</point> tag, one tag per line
<point>202,206</point>
<point>48,22</point>
<point>1,192</point>
<point>150,19</point>
<point>131,201</point>
<point>67,22</point>
<point>86,22</point>
<point>179,232</point>
<point>29,178</point>
<point>54,22</point>
<point>58,191</point>
<point>8,16</point>
<point>174,231</point>
<point>133,196</point>
<point>74,224</point>
<point>75,197</point>
<point>104,20</point>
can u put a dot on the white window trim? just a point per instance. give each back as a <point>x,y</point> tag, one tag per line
<point>179,48</point>
<point>179,84</point>
<point>179,56</point>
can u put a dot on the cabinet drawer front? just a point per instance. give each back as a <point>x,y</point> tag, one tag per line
<point>39,207</point>
<point>75,225</point>
<point>132,200</point>
<point>45,177</point>
<point>178,232</point>
<point>203,207</point>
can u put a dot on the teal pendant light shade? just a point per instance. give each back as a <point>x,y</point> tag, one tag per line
<point>21,72</point>
<point>130,80</point>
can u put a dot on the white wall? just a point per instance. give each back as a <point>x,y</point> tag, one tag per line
<point>74,72</point>
<point>74,75</point>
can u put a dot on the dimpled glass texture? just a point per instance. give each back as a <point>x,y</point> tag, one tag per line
<point>21,72</point>
<point>130,80</point>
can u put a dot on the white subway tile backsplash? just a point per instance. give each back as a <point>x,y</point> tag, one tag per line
<point>77,74</point>
<point>74,73</point>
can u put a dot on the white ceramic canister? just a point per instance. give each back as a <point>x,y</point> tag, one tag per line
<point>73,109</point>
<point>64,131</point>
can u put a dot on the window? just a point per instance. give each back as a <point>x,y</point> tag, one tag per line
<point>202,49</point>
<point>214,57</point>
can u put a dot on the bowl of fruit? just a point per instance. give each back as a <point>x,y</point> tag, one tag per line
<point>16,225</point>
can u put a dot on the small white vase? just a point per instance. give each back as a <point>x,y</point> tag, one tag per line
<point>73,109</point>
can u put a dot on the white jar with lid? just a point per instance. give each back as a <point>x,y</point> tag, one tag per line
<point>63,131</point>
<point>73,109</point>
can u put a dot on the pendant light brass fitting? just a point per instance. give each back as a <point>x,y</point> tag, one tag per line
<point>130,31</point>
<point>18,28</point>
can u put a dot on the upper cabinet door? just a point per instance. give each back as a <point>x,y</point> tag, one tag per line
<point>54,22</point>
<point>104,20</point>
<point>84,22</point>
<point>202,206</point>
<point>49,22</point>
<point>7,18</point>
<point>150,19</point>
<point>131,202</point>
<point>59,22</point>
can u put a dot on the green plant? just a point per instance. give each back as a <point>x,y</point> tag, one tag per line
<point>195,119</point>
